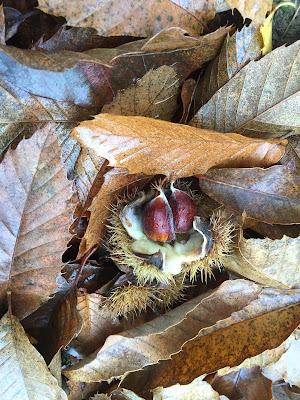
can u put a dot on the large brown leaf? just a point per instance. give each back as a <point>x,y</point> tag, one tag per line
<point>134,18</point>
<point>150,146</point>
<point>35,218</point>
<point>261,325</point>
<point>270,195</point>
<point>23,371</point>
<point>262,100</point>
<point>165,335</point>
<point>269,262</point>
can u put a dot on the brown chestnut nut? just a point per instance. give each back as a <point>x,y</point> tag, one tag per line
<point>183,209</point>
<point>158,219</point>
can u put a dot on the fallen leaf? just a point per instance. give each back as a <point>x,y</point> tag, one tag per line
<point>187,95</point>
<point>79,391</point>
<point>196,390</point>
<point>23,371</point>
<point>150,146</point>
<point>262,100</point>
<point>269,262</point>
<point>100,396</point>
<point>125,394</point>
<point>240,48</point>
<point>86,170</point>
<point>255,10</point>
<point>269,195</point>
<point>35,218</point>
<point>64,324</point>
<point>55,367</point>
<point>267,357</point>
<point>244,384</point>
<point>272,231</point>
<point>287,367</point>
<point>154,96</point>
<point>286,25</point>
<point>283,391</point>
<point>134,18</point>
<point>97,324</point>
<point>261,325</point>
<point>79,39</point>
<point>291,157</point>
<point>151,342</point>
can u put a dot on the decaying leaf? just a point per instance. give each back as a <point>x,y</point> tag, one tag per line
<point>35,218</point>
<point>154,95</point>
<point>133,17</point>
<point>255,10</point>
<point>262,100</point>
<point>282,391</point>
<point>261,325</point>
<point>196,390</point>
<point>266,358</point>
<point>23,371</point>
<point>270,195</point>
<point>149,343</point>
<point>240,48</point>
<point>269,262</point>
<point>150,146</point>
<point>243,384</point>
<point>97,324</point>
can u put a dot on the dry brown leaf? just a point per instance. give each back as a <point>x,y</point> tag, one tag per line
<point>187,96</point>
<point>196,390</point>
<point>240,48</point>
<point>154,95</point>
<point>267,357</point>
<point>270,195</point>
<point>79,391</point>
<point>149,343</point>
<point>149,146</point>
<point>272,231</point>
<point>262,100</point>
<point>97,324</point>
<point>23,371</point>
<point>55,367</point>
<point>255,10</point>
<point>134,18</point>
<point>125,394</point>
<point>291,158</point>
<point>35,218</point>
<point>270,262</point>
<point>244,384</point>
<point>86,169</point>
<point>261,325</point>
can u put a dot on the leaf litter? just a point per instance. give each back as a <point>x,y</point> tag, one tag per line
<point>139,86</point>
